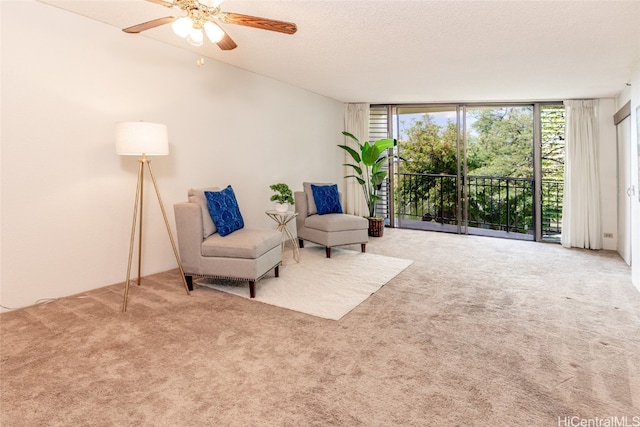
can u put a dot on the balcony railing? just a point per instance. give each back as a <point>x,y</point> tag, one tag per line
<point>552,194</point>
<point>494,203</point>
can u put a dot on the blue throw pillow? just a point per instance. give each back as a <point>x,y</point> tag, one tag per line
<point>224,210</point>
<point>327,198</point>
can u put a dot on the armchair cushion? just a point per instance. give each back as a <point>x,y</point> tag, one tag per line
<point>326,198</point>
<point>196,195</point>
<point>311,204</point>
<point>331,223</point>
<point>244,243</point>
<point>224,210</point>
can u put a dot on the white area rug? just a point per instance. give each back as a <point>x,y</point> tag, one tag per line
<point>320,286</point>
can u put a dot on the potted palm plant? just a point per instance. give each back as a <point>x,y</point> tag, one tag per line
<point>283,196</point>
<point>367,170</point>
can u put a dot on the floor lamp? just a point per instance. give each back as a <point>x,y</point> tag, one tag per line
<point>144,139</point>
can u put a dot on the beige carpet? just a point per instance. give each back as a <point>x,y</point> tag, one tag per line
<point>476,332</point>
<point>317,285</point>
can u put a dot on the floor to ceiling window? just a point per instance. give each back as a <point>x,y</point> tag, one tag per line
<point>551,170</point>
<point>474,169</point>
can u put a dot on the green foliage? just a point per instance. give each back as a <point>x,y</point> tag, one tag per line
<point>282,194</point>
<point>367,167</point>
<point>552,136</point>
<point>501,142</point>
<point>429,148</point>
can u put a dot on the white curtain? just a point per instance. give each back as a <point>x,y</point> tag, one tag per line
<point>356,122</point>
<point>581,223</point>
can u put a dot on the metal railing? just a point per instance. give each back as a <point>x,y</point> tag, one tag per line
<point>495,203</point>
<point>552,195</point>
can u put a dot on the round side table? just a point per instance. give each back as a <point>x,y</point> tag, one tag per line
<point>282,219</point>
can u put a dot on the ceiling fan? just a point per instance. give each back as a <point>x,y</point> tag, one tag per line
<point>202,15</point>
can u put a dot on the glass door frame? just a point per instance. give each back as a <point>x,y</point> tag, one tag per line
<point>462,208</point>
<point>462,217</point>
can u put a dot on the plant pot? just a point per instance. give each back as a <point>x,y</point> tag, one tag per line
<point>282,207</point>
<point>376,227</point>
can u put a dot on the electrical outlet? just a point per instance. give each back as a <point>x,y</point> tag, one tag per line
<point>608,235</point>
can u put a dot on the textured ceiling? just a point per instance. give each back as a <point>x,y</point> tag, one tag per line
<point>397,51</point>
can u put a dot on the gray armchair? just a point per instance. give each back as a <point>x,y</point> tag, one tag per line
<point>328,230</point>
<point>245,254</point>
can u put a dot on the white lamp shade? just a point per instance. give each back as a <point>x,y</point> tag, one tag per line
<point>210,3</point>
<point>182,26</point>
<point>138,138</point>
<point>195,37</point>
<point>214,32</point>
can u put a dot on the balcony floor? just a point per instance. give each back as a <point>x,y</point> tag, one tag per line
<point>450,228</point>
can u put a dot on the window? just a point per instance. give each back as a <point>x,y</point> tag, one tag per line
<point>478,169</point>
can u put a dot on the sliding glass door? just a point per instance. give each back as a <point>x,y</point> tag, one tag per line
<point>465,169</point>
<point>498,171</point>
<point>427,175</point>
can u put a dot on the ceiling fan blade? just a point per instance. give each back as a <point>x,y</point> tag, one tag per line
<point>256,22</point>
<point>150,24</point>
<point>227,43</point>
<point>162,3</point>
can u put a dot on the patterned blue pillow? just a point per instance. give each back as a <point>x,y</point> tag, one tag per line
<point>224,210</point>
<point>327,198</point>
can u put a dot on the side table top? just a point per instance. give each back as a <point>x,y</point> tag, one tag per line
<point>286,213</point>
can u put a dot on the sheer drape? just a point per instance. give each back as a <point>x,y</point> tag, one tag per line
<point>356,122</point>
<point>581,223</point>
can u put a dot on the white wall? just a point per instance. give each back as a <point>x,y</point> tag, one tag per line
<point>632,94</point>
<point>67,198</point>
<point>635,167</point>
<point>608,172</point>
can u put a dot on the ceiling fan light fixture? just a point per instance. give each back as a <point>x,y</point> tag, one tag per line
<point>195,37</point>
<point>182,26</point>
<point>214,32</point>
<point>196,14</point>
<point>210,3</point>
